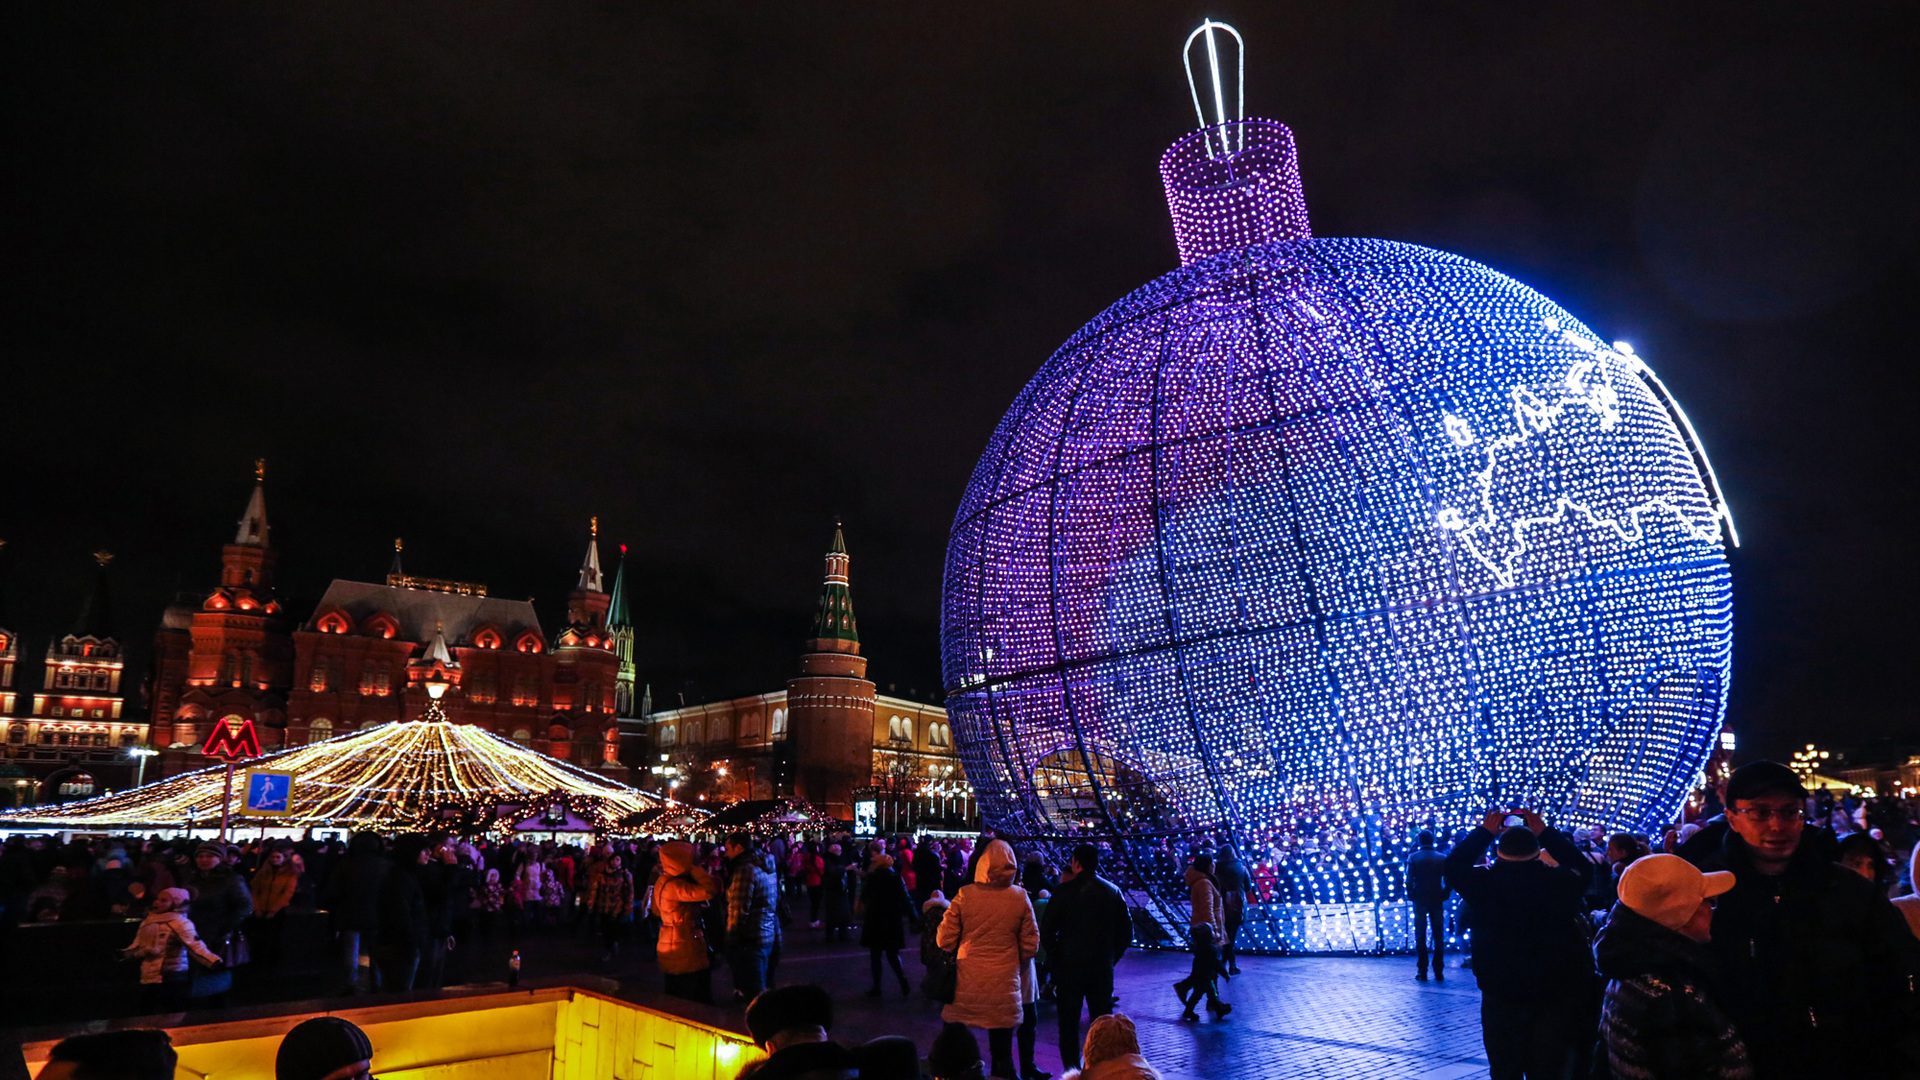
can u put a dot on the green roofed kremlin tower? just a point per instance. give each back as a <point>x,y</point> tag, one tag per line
<point>830,704</point>
<point>828,737</point>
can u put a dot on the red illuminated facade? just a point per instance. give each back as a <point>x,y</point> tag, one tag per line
<point>365,654</point>
<point>239,651</point>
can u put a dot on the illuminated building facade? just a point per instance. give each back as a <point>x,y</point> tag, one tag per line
<point>360,659</point>
<point>72,743</point>
<point>1313,543</point>
<point>238,655</point>
<point>829,738</point>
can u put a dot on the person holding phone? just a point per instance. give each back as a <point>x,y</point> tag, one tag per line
<point>1539,1001</point>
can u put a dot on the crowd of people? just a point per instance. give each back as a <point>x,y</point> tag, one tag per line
<point>1757,943</point>
<point>1773,937</point>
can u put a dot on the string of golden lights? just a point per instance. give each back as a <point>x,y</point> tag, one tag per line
<point>391,775</point>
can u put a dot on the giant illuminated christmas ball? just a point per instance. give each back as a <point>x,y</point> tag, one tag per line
<point>1313,543</point>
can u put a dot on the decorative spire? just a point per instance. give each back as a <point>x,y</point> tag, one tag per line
<point>437,648</point>
<point>96,615</point>
<point>253,522</point>
<point>617,614</point>
<point>833,626</point>
<point>590,579</point>
<point>394,571</point>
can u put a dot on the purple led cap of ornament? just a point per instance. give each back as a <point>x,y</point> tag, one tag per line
<point>1234,185</point>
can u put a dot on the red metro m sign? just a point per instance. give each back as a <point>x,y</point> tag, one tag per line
<point>232,739</point>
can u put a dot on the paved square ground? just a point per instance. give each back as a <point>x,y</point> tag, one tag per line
<point>1308,1017</point>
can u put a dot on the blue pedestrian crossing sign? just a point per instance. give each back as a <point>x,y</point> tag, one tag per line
<point>268,793</point>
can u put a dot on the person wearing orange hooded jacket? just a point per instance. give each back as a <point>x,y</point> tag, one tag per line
<point>680,898</point>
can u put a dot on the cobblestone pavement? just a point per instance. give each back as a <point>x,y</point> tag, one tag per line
<point>1305,1017</point>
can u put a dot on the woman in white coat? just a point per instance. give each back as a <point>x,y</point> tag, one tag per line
<point>991,929</point>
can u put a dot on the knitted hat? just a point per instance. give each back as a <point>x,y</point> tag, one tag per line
<point>210,846</point>
<point>319,1046</point>
<point>1668,889</point>
<point>174,899</point>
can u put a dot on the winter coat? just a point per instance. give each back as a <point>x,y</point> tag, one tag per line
<point>1208,907</point>
<point>442,887</point>
<point>1660,1020</point>
<point>990,925</point>
<point>353,893</point>
<point>931,914</point>
<point>1085,929</point>
<point>1529,919</point>
<point>273,888</point>
<point>680,898</point>
<point>612,894</point>
<point>1231,875</point>
<point>753,899</point>
<point>220,902</point>
<point>163,943</point>
<point>1426,877</point>
<point>488,896</point>
<point>888,908</point>
<point>404,924</point>
<point>926,869</point>
<point>1816,966</point>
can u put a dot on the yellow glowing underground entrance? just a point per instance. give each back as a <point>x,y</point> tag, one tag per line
<point>562,1033</point>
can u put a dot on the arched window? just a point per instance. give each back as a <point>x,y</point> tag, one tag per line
<point>321,668</point>
<point>668,734</point>
<point>613,745</point>
<point>522,736</point>
<point>320,730</point>
<point>779,723</point>
<point>893,729</point>
<point>721,730</point>
<point>696,733</point>
<point>750,726</point>
<point>184,732</point>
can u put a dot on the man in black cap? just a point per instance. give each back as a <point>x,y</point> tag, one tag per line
<point>1539,1003</point>
<point>1084,933</point>
<point>1816,965</point>
<point>324,1048</point>
<point>791,1024</point>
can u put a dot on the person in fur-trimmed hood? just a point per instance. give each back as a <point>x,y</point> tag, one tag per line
<point>162,945</point>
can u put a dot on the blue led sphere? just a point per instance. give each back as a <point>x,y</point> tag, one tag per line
<point>1314,543</point>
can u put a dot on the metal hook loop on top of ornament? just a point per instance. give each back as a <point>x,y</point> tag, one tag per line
<point>1206,29</point>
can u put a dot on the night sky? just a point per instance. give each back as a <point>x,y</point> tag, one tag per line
<point>472,273</point>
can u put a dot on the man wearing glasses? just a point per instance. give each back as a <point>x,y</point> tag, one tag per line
<point>1816,965</point>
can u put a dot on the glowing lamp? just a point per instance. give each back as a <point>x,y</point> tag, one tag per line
<point>436,685</point>
<point>1313,543</point>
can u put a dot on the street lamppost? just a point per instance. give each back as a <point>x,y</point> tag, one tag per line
<point>1807,762</point>
<point>141,754</point>
<point>436,686</point>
